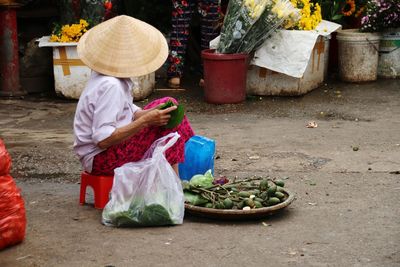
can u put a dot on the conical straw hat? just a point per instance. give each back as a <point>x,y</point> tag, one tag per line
<point>123,47</point>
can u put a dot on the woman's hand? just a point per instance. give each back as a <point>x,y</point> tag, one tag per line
<point>151,117</point>
<point>157,117</point>
<point>142,112</point>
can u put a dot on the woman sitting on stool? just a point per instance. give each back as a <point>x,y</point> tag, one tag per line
<point>109,129</point>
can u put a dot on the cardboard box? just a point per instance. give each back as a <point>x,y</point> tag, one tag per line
<point>264,82</point>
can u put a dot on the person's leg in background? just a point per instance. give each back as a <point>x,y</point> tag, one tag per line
<point>210,14</point>
<point>182,11</point>
<point>210,11</point>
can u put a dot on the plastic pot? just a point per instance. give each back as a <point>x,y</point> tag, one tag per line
<point>224,77</point>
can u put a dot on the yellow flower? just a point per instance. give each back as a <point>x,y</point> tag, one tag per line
<point>70,33</point>
<point>54,38</point>
<point>310,14</point>
<point>84,23</point>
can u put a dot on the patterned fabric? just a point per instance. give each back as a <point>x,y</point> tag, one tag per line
<point>133,149</point>
<point>181,17</point>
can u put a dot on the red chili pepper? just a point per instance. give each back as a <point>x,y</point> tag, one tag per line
<point>108,5</point>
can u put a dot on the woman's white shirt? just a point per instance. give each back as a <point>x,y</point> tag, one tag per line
<point>105,104</point>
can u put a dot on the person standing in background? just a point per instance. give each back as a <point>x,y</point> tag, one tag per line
<point>182,11</point>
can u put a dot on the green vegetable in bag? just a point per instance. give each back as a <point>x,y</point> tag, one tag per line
<point>140,214</point>
<point>151,215</point>
<point>155,214</point>
<point>124,219</point>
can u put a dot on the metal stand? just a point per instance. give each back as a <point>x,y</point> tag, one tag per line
<point>9,60</point>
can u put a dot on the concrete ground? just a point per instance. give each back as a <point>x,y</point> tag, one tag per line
<point>345,174</point>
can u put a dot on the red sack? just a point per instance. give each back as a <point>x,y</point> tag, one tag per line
<point>12,207</point>
<point>5,160</point>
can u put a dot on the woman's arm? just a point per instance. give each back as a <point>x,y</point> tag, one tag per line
<point>145,118</point>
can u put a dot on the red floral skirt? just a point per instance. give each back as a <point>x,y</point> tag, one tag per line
<point>133,149</point>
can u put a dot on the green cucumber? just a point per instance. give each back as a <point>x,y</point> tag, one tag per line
<point>273,201</point>
<point>257,204</point>
<point>264,195</point>
<point>280,189</point>
<point>219,205</point>
<point>279,195</point>
<point>271,191</point>
<point>279,183</point>
<point>258,199</point>
<point>244,194</point>
<point>264,185</point>
<point>255,192</point>
<point>228,203</point>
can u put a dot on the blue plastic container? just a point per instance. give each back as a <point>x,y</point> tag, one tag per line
<point>199,157</point>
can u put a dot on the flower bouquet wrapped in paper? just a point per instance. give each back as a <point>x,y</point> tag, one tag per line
<point>248,23</point>
<point>277,14</point>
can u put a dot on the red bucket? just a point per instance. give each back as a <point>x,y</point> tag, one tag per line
<point>224,77</point>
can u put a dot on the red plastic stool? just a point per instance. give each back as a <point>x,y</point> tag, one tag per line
<point>101,187</point>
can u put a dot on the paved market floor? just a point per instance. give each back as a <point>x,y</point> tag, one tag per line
<point>345,174</point>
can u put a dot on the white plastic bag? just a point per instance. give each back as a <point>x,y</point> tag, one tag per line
<point>147,192</point>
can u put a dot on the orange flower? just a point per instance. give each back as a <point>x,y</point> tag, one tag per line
<point>349,8</point>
